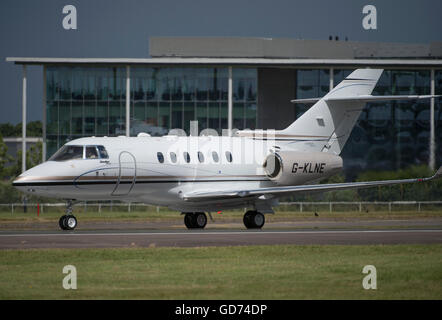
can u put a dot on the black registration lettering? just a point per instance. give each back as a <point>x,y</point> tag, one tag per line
<point>317,167</point>
<point>305,168</point>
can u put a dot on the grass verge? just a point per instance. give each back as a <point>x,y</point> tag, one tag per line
<point>253,272</point>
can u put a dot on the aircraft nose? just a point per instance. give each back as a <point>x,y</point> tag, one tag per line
<point>30,176</point>
<point>23,179</point>
<point>20,183</point>
<point>31,180</point>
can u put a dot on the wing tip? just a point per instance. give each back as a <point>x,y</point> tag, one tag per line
<point>438,173</point>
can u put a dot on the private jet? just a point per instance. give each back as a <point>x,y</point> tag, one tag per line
<point>196,175</point>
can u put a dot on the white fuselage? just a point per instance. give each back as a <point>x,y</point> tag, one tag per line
<point>156,170</point>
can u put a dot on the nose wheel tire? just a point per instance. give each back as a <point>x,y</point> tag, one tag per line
<point>195,220</point>
<point>254,220</point>
<point>61,222</point>
<point>67,222</point>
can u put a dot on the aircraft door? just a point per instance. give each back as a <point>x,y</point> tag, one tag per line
<point>126,175</point>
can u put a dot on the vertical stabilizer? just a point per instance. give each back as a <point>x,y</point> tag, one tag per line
<point>327,125</point>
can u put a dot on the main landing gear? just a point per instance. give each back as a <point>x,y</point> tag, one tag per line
<point>198,220</point>
<point>195,220</point>
<point>254,220</point>
<point>68,221</point>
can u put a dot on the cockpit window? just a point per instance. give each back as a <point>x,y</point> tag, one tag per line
<point>91,153</point>
<point>103,152</point>
<point>68,153</point>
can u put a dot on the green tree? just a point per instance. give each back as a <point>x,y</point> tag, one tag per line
<point>427,191</point>
<point>342,195</point>
<point>7,130</point>
<point>33,129</point>
<point>33,157</point>
<point>5,158</point>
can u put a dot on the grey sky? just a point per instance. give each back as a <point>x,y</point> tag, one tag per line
<point>121,28</point>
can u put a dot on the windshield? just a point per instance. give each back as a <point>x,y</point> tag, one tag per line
<point>76,153</point>
<point>68,153</point>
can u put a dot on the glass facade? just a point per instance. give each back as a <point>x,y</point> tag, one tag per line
<point>388,135</point>
<point>83,102</point>
<point>91,101</point>
<point>311,83</point>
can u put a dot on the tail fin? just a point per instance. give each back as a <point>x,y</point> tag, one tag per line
<point>327,125</point>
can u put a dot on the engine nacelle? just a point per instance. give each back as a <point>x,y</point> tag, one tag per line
<point>292,167</point>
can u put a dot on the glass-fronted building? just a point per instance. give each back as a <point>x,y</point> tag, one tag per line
<point>88,97</point>
<point>392,134</point>
<point>92,101</point>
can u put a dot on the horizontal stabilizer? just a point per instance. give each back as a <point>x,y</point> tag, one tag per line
<point>310,100</point>
<point>368,98</point>
<point>365,98</point>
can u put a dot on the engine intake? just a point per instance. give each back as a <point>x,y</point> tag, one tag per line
<point>293,167</point>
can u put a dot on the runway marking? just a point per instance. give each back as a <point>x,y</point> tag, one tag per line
<point>219,233</point>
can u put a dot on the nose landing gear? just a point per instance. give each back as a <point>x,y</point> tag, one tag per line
<point>68,221</point>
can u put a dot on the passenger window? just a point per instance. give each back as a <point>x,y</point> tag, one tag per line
<point>186,157</point>
<point>160,157</point>
<point>200,157</point>
<point>103,153</point>
<point>91,153</point>
<point>229,156</point>
<point>173,157</point>
<point>215,156</point>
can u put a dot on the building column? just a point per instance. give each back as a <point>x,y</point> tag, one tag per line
<point>432,160</point>
<point>127,101</point>
<point>43,151</point>
<point>23,123</point>
<point>331,79</point>
<point>230,99</point>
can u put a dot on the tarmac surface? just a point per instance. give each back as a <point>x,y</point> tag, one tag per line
<point>132,234</point>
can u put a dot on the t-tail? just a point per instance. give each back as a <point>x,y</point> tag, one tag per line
<point>327,125</point>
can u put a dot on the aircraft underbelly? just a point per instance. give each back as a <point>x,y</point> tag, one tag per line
<point>170,194</point>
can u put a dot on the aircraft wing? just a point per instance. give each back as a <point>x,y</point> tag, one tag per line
<point>277,191</point>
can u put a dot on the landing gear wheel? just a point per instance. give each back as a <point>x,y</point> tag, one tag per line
<point>247,219</point>
<point>61,222</point>
<point>67,222</point>
<point>200,220</point>
<point>254,220</point>
<point>258,220</point>
<point>70,222</point>
<point>195,220</point>
<point>188,220</point>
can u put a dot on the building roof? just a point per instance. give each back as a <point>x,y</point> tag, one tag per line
<point>261,62</point>
<point>267,52</point>
<point>238,47</point>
